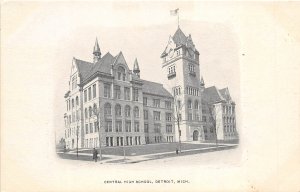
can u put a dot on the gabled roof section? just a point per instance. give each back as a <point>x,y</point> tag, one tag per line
<point>104,65</point>
<point>212,95</point>
<point>83,67</point>
<point>225,94</point>
<point>155,89</point>
<point>179,37</point>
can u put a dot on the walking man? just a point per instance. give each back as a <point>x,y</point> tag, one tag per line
<point>95,155</point>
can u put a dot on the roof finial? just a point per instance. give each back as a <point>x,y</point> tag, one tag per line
<point>136,68</point>
<point>202,81</point>
<point>96,52</point>
<point>175,12</point>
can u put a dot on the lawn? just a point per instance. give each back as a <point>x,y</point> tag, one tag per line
<point>148,149</point>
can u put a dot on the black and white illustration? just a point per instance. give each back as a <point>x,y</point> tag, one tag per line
<point>114,115</point>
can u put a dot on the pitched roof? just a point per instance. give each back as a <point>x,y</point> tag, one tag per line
<point>103,65</point>
<point>225,94</point>
<point>179,38</point>
<point>212,95</point>
<point>155,89</point>
<point>83,67</point>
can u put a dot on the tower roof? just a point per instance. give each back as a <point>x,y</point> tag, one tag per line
<point>179,37</point>
<point>202,81</point>
<point>96,47</point>
<point>136,65</point>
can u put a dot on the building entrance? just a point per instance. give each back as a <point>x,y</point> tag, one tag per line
<point>195,135</point>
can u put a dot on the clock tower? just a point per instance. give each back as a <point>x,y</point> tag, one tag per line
<point>181,69</point>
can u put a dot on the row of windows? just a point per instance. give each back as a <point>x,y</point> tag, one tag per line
<point>91,128</point>
<point>91,143</point>
<point>156,103</point>
<point>196,104</point>
<point>117,92</point>
<point>229,128</point>
<point>228,119</point>
<point>192,91</point>
<point>75,117</point>
<point>119,127</point>
<point>118,110</point>
<point>176,91</point>
<point>172,69</point>
<point>88,93</point>
<point>211,129</point>
<point>109,141</point>
<point>71,104</point>
<point>196,117</point>
<point>228,109</point>
<point>71,132</point>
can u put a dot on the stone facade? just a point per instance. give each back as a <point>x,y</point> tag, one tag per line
<point>106,94</point>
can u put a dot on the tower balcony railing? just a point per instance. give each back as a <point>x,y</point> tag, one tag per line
<point>171,75</point>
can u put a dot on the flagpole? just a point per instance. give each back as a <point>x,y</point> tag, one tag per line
<point>178,18</point>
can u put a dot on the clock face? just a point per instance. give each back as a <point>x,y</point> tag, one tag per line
<point>171,53</point>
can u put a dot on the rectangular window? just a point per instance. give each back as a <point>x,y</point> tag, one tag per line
<point>190,117</point>
<point>108,126</point>
<point>118,126</point>
<point>135,94</point>
<point>204,118</point>
<point>168,104</point>
<point>145,101</point>
<point>169,128</point>
<point>128,126</point>
<point>168,116</point>
<point>117,92</point>
<point>126,93</point>
<point>107,141</point>
<point>94,90</point>
<point>157,128</point>
<point>136,127</point>
<point>156,103</point>
<point>146,128</point>
<point>86,128</point>
<point>156,115</point>
<point>91,128</point>
<point>96,126</point>
<point>111,141</point>
<point>107,90</point>
<point>85,96</point>
<point>145,114</point>
<point>197,117</point>
<point>90,93</point>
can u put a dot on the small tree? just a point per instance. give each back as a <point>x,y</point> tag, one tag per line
<point>97,112</point>
<point>213,112</point>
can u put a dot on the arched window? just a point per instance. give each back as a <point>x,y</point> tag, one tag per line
<point>121,73</point>
<point>107,109</point>
<point>196,104</point>
<point>118,110</point>
<point>72,103</point>
<point>86,113</point>
<point>77,101</point>
<point>136,112</point>
<point>127,111</point>
<point>90,111</point>
<point>189,104</point>
<point>95,109</point>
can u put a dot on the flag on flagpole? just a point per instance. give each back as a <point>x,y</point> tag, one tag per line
<point>174,12</point>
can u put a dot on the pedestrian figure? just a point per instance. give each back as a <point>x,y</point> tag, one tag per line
<point>177,151</point>
<point>95,155</point>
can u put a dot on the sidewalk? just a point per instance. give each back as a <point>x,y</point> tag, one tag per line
<point>112,159</point>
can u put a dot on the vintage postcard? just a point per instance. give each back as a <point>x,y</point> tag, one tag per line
<point>150,96</point>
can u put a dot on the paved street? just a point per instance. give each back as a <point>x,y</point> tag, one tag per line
<point>136,154</point>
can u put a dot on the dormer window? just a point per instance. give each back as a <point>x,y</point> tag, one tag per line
<point>121,75</point>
